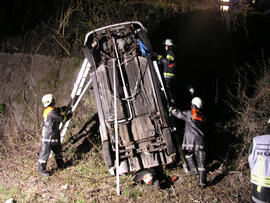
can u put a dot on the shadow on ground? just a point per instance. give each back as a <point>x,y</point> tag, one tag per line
<point>82,142</point>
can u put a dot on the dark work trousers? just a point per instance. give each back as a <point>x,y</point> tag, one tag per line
<point>261,196</point>
<point>45,151</point>
<point>168,86</point>
<point>199,158</point>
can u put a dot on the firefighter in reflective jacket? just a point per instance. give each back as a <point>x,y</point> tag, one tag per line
<point>168,62</point>
<point>193,142</point>
<point>51,134</point>
<point>259,161</point>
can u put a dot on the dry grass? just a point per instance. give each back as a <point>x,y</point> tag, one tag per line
<point>87,180</point>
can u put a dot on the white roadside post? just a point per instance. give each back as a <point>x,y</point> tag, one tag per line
<point>116,130</point>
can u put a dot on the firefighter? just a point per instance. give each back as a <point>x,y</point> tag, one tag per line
<point>169,68</point>
<point>259,160</point>
<point>193,143</point>
<point>51,134</point>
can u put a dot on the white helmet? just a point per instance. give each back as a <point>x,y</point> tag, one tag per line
<point>168,42</point>
<point>191,89</point>
<point>47,99</point>
<point>197,102</point>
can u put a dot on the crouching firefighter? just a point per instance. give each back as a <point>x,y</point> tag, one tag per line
<point>193,141</point>
<point>259,160</point>
<point>51,133</point>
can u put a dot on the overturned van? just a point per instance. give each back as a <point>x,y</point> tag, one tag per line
<point>128,90</point>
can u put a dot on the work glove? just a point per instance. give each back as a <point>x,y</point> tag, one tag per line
<point>159,57</point>
<point>63,109</point>
<point>67,117</point>
<point>172,102</point>
<point>171,108</point>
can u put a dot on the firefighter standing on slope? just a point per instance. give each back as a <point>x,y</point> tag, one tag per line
<point>259,160</point>
<point>193,142</point>
<point>169,69</point>
<point>51,134</point>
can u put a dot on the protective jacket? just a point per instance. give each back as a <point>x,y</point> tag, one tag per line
<point>169,64</point>
<point>194,129</point>
<point>52,118</point>
<point>259,160</point>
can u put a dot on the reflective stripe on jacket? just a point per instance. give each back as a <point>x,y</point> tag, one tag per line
<point>52,118</point>
<point>259,160</point>
<point>168,75</point>
<point>196,115</point>
<point>169,64</point>
<point>47,111</point>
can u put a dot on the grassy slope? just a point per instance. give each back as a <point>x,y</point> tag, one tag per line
<point>87,180</point>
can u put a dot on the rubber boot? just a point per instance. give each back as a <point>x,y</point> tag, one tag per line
<point>59,163</point>
<point>185,168</point>
<point>191,165</point>
<point>42,169</point>
<point>57,149</point>
<point>203,179</point>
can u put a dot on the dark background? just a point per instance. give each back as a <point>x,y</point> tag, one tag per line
<point>209,53</point>
<point>210,45</point>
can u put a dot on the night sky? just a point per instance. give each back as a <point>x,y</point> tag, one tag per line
<point>22,15</point>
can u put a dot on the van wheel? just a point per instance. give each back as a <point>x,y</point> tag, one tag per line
<point>107,153</point>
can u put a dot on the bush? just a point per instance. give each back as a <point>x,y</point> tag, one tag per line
<point>249,103</point>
